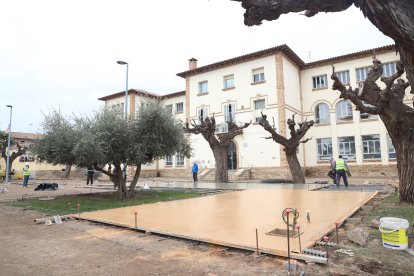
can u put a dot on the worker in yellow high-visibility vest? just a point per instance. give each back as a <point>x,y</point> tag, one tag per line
<point>26,174</point>
<point>341,169</point>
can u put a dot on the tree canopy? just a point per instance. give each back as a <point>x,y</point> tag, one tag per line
<point>110,143</point>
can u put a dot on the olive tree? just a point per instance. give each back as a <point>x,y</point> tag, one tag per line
<point>57,142</point>
<point>4,138</point>
<point>107,138</point>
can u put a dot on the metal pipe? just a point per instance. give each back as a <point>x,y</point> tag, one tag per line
<point>136,225</point>
<point>126,89</point>
<point>8,148</point>
<point>257,243</point>
<point>288,240</point>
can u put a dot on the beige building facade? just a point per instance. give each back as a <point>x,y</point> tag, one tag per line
<point>278,83</point>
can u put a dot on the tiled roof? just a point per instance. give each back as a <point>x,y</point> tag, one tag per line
<point>287,52</point>
<point>263,53</point>
<point>25,135</point>
<point>360,54</point>
<point>141,92</point>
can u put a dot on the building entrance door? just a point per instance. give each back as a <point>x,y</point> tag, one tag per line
<point>232,157</point>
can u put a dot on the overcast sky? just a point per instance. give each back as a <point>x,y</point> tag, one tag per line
<point>62,54</point>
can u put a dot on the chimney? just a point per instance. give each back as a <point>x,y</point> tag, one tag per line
<point>192,63</point>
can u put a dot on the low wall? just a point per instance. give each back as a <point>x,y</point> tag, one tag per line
<point>270,173</point>
<point>365,170</point>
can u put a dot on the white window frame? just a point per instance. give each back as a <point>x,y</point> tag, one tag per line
<point>179,159</point>
<point>371,147</point>
<point>346,147</point>
<point>324,149</point>
<point>389,69</point>
<point>203,87</point>
<point>202,113</point>
<point>258,75</point>
<point>344,113</point>
<point>228,82</point>
<point>229,112</point>
<point>392,155</point>
<point>343,76</point>
<point>320,82</point>
<point>168,161</point>
<point>259,106</point>
<point>322,120</point>
<point>179,107</point>
<point>362,73</point>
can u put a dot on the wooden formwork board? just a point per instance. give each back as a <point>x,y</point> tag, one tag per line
<point>231,219</point>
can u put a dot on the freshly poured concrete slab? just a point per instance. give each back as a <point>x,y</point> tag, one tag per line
<point>231,219</point>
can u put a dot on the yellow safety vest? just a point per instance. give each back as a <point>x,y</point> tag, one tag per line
<point>340,164</point>
<point>26,172</point>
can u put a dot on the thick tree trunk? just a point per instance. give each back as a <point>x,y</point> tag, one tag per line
<point>403,141</point>
<point>68,169</point>
<point>220,156</point>
<point>405,161</point>
<point>131,191</point>
<point>294,166</point>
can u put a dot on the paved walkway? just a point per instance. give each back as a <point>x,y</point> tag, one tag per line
<point>78,186</point>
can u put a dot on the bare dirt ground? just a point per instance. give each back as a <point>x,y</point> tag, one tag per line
<point>80,247</point>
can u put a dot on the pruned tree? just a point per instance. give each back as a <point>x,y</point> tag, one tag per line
<point>20,150</point>
<point>218,142</point>
<point>290,146</point>
<point>397,117</point>
<point>395,18</point>
<point>57,142</point>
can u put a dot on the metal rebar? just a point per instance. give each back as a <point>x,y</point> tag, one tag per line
<point>136,226</point>
<point>300,246</point>
<point>79,210</point>
<point>257,243</point>
<point>288,240</point>
<point>337,238</point>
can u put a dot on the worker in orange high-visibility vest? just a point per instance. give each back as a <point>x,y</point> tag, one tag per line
<point>26,175</point>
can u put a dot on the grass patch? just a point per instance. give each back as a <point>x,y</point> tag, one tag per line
<point>99,201</point>
<point>391,207</point>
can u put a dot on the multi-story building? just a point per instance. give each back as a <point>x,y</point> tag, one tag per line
<point>278,83</point>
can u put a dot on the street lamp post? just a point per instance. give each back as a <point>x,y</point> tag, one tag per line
<point>8,147</point>
<point>126,90</point>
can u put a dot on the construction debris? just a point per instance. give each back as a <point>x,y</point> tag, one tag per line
<point>358,236</point>
<point>314,252</point>
<point>52,219</point>
<point>345,251</point>
<point>329,244</point>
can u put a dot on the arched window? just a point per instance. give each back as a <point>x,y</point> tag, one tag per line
<point>344,111</point>
<point>322,114</point>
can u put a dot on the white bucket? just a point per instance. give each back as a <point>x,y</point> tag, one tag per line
<point>394,232</point>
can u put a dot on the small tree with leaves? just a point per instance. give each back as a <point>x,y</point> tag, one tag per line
<point>57,142</point>
<point>4,138</point>
<point>218,142</point>
<point>290,146</point>
<point>107,138</point>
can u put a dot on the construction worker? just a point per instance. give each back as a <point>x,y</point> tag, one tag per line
<point>194,170</point>
<point>26,175</point>
<point>341,171</point>
<point>89,174</point>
